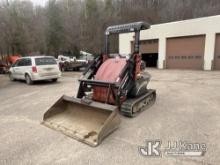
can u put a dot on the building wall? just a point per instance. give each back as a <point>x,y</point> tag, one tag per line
<point>208,26</point>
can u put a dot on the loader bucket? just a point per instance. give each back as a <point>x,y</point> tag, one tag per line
<point>88,122</point>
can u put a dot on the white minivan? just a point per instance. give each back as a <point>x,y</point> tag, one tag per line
<point>35,68</point>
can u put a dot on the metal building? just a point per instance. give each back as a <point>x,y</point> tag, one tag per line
<point>189,44</point>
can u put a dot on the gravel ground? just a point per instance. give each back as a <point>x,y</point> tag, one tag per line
<point>187,109</point>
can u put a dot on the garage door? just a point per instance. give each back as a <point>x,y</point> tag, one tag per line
<point>148,51</point>
<point>217,53</point>
<point>185,52</point>
<point>147,46</point>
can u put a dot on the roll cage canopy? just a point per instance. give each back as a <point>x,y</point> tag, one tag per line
<point>126,28</point>
<point>135,27</point>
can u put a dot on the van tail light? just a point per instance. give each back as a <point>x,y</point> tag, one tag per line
<point>34,69</point>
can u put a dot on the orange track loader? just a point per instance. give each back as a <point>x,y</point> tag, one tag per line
<point>111,85</point>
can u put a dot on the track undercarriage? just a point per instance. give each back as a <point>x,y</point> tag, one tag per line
<point>133,106</point>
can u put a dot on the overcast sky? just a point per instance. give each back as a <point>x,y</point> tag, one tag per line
<point>39,2</point>
<point>36,2</point>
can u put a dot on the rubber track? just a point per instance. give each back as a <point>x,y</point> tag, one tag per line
<point>130,104</point>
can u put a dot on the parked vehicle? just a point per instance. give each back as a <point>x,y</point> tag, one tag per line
<point>35,68</point>
<point>6,62</point>
<point>66,63</point>
<point>3,67</point>
<point>12,59</point>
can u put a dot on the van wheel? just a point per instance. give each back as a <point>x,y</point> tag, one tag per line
<point>54,80</point>
<point>63,69</point>
<point>11,77</point>
<point>28,79</point>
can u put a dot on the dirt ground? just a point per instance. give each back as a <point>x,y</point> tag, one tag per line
<point>187,109</point>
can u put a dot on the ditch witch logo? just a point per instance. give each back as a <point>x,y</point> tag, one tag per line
<point>176,148</point>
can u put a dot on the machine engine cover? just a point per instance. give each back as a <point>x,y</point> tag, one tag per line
<point>109,71</point>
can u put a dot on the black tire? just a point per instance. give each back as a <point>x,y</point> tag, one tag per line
<point>54,80</point>
<point>62,69</point>
<point>28,79</point>
<point>11,77</point>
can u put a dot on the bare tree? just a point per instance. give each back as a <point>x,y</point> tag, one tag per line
<point>67,26</point>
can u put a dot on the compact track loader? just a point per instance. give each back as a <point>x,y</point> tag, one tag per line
<point>112,84</point>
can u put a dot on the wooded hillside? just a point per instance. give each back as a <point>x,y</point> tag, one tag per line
<point>67,26</point>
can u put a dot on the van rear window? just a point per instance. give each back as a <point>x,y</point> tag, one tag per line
<point>45,61</point>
